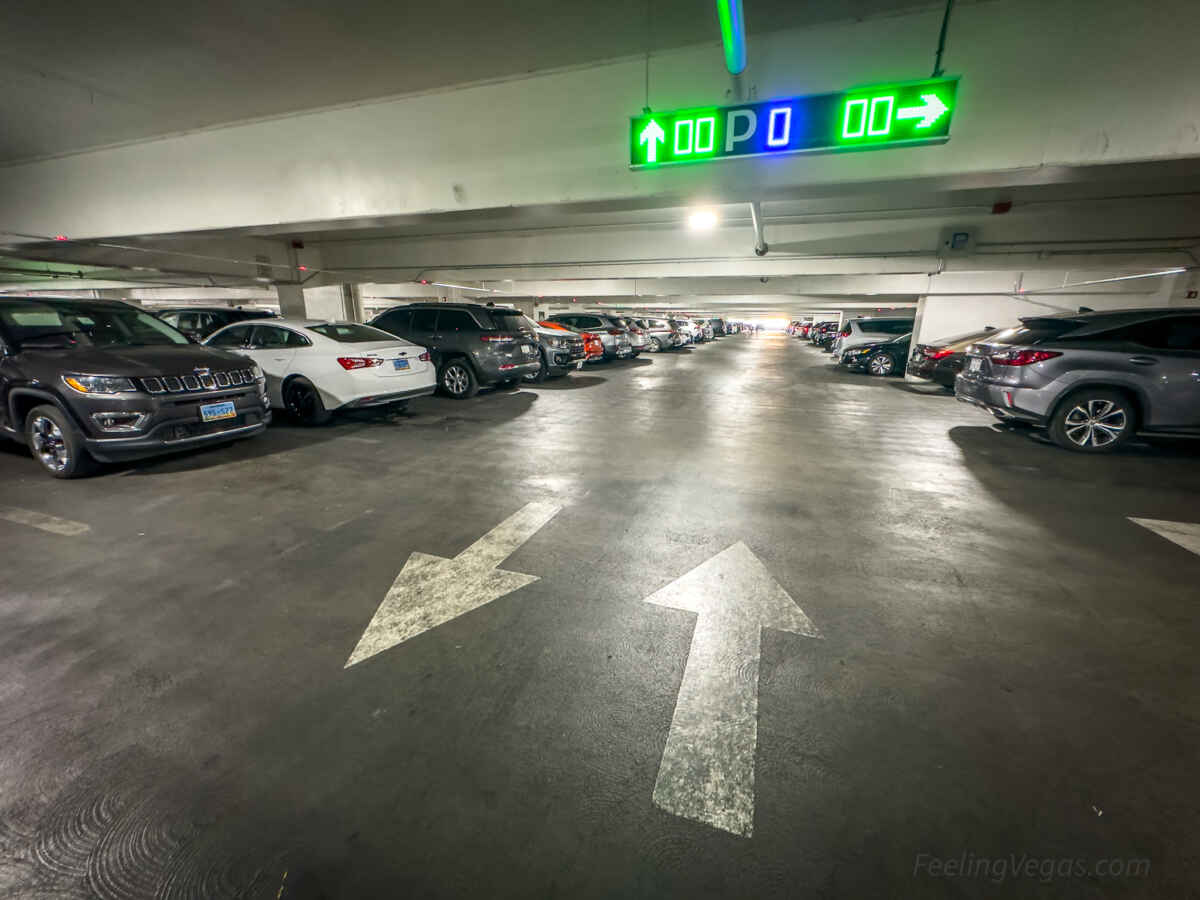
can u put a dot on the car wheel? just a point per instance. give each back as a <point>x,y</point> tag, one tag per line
<point>655,345</point>
<point>303,402</point>
<point>881,364</point>
<point>1093,421</point>
<point>56,443</point>
<point>540,375</point>
<point>457,380</point>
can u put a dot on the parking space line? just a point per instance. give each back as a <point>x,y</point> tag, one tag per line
<point>33,519</point>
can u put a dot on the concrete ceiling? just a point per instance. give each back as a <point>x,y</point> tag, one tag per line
<point>75,76</point>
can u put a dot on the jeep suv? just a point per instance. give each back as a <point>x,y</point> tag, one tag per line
<point>85,380</point>
<point>472,345</point>
<point>1092,380</point>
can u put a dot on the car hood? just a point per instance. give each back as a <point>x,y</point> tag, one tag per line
<point>173,360</point>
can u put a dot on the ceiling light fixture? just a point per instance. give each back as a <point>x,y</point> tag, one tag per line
<point>702,220</point>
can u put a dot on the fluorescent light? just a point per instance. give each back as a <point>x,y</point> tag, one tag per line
<point>702,220</point>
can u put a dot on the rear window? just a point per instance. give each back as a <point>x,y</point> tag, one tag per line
<point>1034,332</point>
<point>350,333</point>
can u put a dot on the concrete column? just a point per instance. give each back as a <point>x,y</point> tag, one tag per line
<point>352,307</point>
<point>291,300</point>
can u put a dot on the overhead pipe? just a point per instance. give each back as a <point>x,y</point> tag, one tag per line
<point>760,238</point>
<point>733,34</point>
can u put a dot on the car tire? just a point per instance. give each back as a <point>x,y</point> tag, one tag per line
<point>1093,420</point>
<point>457,380</point>
<point>882,364</point>
<point>56,443</point>
<point>655,345</point>
<point>303,402</point>
<point>540,375</point>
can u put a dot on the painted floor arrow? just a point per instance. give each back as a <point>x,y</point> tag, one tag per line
<point>1185,534</point>
<point>707,769</point>
<point>432,590</point>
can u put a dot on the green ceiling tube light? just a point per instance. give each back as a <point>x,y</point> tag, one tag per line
<point>733,34</point>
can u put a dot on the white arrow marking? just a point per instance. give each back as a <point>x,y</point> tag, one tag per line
<point>707,769</point>
<point>928,112</point>
<point>432,590</point>
<point>1185,534</point>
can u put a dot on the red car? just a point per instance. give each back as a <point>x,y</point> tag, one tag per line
<point>592,344</point>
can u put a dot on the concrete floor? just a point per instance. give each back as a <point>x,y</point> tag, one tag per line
<point>1008,665</point>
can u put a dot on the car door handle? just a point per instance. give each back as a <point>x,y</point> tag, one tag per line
<point>1143,360</point>
<point>279,358</point>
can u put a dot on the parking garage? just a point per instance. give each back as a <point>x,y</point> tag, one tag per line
<point>686,450</point>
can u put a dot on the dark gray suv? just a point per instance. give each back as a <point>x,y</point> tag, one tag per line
<point>84,380</point>
<point>472,345</point>
<point>1092,380</point>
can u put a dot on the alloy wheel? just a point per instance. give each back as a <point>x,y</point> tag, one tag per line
<point>49,444</point>
<point>881,364</point>
<point>300,401</point>
<point>1095,423</point>
<point>455,380</point>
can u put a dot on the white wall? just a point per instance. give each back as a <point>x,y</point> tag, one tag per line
<point>945,316</point>
<point>1045,86</point>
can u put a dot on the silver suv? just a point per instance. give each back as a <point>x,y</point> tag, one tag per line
<point>613,332</point>
<point>1092,380</point>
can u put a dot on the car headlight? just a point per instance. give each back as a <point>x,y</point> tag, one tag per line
<point>556,343</point>
<point>257,372</point>
<point>99,384</point>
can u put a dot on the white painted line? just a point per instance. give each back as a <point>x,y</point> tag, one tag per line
<point>432,590</point>
<point>33,519</point>
<point>1185,534</point>
<point>361,440</point>
<point>707,769</point>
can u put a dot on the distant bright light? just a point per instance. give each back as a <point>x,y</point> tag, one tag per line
<point>702,220</point>
<point>773,324</point>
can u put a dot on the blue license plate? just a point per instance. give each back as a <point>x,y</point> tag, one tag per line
<point>400,363</point>
<point>214,412</point>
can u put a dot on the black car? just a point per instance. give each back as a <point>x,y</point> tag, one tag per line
<point>472,345</point>
<point>941,361</point>
<point>880,358</point>
<point>101,380</point>
<point>198,322</point>
<point>823,334</point>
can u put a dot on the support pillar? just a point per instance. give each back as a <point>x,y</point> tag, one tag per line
<point>291,301</point>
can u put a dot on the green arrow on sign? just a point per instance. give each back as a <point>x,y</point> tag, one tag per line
<point>652,134</point>
<point>928,112</point>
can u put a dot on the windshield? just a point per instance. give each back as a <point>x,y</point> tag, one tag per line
<point>96,325</point>
<point>350,333</point>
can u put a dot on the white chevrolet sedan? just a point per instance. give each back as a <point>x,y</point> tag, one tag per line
<point>315,367</point>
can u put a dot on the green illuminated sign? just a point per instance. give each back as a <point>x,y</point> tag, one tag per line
<point>889,115</point>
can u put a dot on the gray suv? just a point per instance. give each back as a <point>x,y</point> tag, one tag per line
<point>1092,380</point>
<point>612,330</point>
<point>472,345</point>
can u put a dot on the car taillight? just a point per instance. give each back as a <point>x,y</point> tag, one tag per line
<point>424,357</point>
<point>845,332</point>
<point>1022,357</point>
<point>936,352</point>
<point>358,362</point>
<point>616,331</point>
<point>497,338</point>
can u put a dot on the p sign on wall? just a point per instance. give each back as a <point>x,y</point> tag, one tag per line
<point>890,115</point>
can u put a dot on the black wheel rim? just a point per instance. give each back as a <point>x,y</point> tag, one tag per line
<point>302,401</point>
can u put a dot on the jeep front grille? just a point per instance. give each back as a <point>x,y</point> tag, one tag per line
<point>181,384</point>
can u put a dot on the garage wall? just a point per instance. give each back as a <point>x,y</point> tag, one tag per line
<point>944,316</point>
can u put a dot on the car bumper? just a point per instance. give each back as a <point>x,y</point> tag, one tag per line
<point>1000,400</point>
<point>172,436</point>
<point>391,397</point>
<point>932,371</point>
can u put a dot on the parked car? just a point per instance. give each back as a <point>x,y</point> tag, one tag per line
<point>706,330</point>
<point>471,345</point>
<point>880,358</point>
<point>562,351</point>
<point>868,330</point>
<point>316,367</point>
<point>661,333</point>
<point>593,347</point>
<point>687,330</point>
<point>639,338</point>
<point>612,331</point>
<point>100,380</point>
<point>941,361</point>
<point>718,326</point>
<point>1092,380</point>
<point>198,322</point>
<point>823,334</point>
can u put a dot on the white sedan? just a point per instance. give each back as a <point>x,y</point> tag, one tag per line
<point>314,367</point>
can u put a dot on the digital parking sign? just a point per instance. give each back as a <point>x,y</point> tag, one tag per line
<point>887,115</point>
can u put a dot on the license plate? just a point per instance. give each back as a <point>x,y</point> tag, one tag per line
<point>975,364</point>
<point>399,363</point>
<point>527,350</point>
<point>214,412</point>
